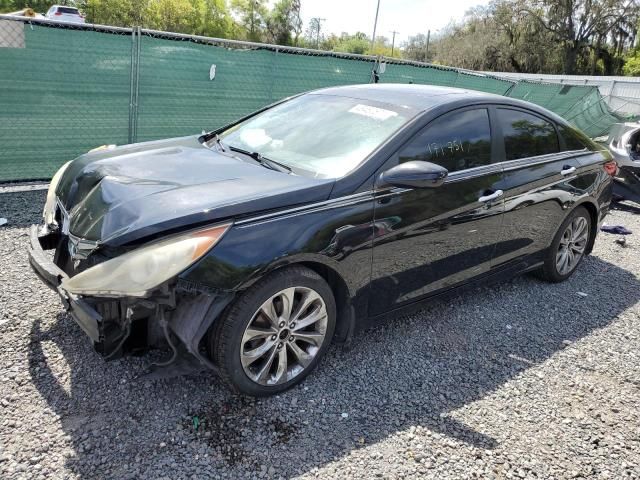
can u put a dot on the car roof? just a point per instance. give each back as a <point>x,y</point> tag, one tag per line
<point>417,97</point>
<point>425,97</point>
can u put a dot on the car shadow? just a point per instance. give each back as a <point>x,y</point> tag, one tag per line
<point>409,372</point>
<point>21,208</point>
<point>626,206</point>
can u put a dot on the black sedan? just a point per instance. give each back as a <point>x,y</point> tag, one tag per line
<point>248,250</point>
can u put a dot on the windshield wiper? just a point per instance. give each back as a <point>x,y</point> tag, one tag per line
<point>216,140</point>
<point>264,161</point>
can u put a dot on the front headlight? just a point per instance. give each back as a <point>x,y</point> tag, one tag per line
<point>49,211</point>
<point>135,273</point>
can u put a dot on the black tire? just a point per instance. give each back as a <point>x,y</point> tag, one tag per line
<point>549,271</point>
<point>225,340</point>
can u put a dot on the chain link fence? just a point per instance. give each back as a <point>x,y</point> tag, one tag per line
<point>63,90</point>
<point>67,88</point>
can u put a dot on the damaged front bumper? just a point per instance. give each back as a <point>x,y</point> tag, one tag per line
<point>84,312</point>
<point>176,315</point>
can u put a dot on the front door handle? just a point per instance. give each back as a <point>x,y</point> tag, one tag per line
<point>493,196</point>
<point>567,170</point>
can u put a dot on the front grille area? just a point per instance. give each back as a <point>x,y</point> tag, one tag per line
<point>109,310</point>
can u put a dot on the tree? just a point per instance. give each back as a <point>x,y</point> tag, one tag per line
<point>169,15</point>
<point>120,13</point>
<point>252,16</point>
<point>535,36</point>
<point>313,36</point>
<point>7,6</point>
<point>39,6</point>
<point>198,17</point>
<point>210,18</point>
<point>296,21</point>
<point>416,48</point>
<point>575,23</point>
<point>329,42</point>
<point>382,46</point>
<point>358,43</point>
<point>284,24</point>
<point>632,65</point>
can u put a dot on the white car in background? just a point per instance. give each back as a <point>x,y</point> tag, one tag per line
<point>64,14</point>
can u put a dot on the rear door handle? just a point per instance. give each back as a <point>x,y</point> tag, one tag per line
<point>493,196</point>
<point>567,170</point>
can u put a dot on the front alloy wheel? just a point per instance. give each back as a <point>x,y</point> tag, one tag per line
<point>284,335</point>
<point>275,333</point>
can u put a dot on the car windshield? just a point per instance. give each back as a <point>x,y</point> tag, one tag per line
<point>69,10</point>
<point>321,135</point>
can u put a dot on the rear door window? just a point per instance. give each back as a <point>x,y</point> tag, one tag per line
<point>574,139</point>
<point>526,135</point>
<point>456,141</point>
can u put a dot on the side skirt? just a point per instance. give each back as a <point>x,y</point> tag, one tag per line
<point>491,278</point>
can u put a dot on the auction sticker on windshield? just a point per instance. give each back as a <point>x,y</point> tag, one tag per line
<point>372,112</point>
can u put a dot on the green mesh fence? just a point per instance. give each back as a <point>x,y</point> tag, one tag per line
<point>176,96</point>
<point>179,94</point>
<point>592,115</point>
<point>448,77</point>
<point>581,105</point>
<point>66,89</point>
<point>294,74</point>
<point>407,73</point>
<point>62,92</point>
<point>485,84</point>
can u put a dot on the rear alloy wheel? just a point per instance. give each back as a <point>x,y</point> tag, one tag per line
<point>568,247</point>
<point>275,333</point>
<point>572,245</point>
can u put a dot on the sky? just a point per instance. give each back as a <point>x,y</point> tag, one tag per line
<point>408,17</point>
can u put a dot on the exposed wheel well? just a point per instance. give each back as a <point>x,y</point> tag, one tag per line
<point>593,213</point>
<point>345,316</point>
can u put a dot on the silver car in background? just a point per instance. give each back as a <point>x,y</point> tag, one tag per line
<point>624,144</point>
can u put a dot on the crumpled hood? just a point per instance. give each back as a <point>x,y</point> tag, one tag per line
<point>126,193</point>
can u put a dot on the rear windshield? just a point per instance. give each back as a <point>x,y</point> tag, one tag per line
<point>73,11</point>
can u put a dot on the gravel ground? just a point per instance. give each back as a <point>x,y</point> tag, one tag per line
<point>519,380</point>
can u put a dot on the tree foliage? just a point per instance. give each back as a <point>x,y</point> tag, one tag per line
<point>358,43</point>
<point>250,20</point>
<point>284,24</point>
<point>251,16</point>
<point>417,48</point>
<point>7,6</point>
<point>632,64</point>
<point>540,36</point>
<point>534,36</point>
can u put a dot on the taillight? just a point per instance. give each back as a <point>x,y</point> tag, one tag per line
<point>57,13</point>
<point>611,168</point>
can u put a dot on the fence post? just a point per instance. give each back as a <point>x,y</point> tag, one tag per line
<point>136,96</point>
<point>132,74</point>
<point>274,67</point>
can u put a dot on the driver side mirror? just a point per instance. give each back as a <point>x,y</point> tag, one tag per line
<point>415,174</point>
